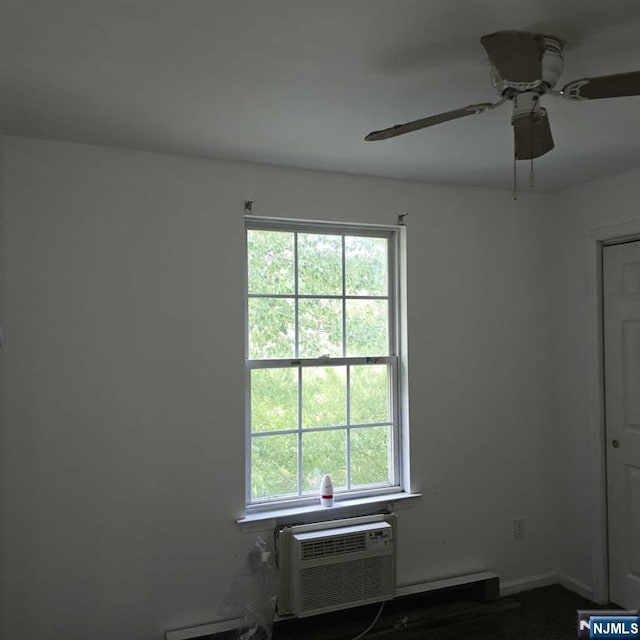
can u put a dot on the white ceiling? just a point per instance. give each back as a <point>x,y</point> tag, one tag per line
<point>300,82</point>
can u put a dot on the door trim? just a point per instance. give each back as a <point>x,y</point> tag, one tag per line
<point>597,238</point>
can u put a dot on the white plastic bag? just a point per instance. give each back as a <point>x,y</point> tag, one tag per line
<point>252,594</point>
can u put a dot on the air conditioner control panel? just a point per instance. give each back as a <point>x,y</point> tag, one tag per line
<point>379,539</point>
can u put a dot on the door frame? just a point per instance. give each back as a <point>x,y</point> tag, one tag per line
<point>598,237</point>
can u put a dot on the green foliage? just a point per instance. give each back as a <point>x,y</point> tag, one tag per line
<point>274,400</point>
<point>320,328</point>
<point>270,261</point>
<point>366,266</point>
<point>370,455</point>
<point>274,466</point>
<point>324,396</point>
<point>319,265</point>
<point>271,328</point>
<point>369,394</point>
<point>367,322</point>
<point>324,452</point>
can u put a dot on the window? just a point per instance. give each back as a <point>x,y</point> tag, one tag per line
<point>321,360</point>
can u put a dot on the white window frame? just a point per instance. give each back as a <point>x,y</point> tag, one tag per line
<point>395,358</point>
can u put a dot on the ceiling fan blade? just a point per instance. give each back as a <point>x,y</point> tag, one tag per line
<point>532,135</point>
<point>517,55</point>
<point>423,123</point>
<point>618,85</point>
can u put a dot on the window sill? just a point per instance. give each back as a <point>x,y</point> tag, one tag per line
<point>267,520</point>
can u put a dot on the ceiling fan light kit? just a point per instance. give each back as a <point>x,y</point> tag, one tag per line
<point>524,67</point>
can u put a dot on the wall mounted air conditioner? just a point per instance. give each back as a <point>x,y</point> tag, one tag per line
<point>335,565</point>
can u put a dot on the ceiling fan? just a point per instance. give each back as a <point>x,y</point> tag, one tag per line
<point>524,67</point>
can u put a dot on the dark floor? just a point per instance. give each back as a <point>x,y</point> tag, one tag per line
<point>548,613</point>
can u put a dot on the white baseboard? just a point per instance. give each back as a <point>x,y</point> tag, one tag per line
<point>576,586</point>
<point>205,629</point>
<point>506,589</point>
<point>544,580</point>
<point>444,583</point>
<point>530,582</point>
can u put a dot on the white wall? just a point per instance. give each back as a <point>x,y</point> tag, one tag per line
<point>578,214</point>
<point>124,381</point>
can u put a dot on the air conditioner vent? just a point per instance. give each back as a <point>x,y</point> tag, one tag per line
<point>331,586</point>
<point>351,543</point>
<point>337,564</point>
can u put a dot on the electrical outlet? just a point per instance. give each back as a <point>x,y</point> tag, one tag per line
<point>518,528</point>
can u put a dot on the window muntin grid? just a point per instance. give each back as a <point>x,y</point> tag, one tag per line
<point>352,436</point>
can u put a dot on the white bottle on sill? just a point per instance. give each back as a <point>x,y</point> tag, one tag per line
<point>326,491</point>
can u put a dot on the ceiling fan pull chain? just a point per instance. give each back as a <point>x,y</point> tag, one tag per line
<point>532,176</point>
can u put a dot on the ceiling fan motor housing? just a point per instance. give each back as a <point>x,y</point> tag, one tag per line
<point>547,59</point>
<point>527,105</point>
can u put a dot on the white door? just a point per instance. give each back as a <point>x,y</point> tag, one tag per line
<point>621,295</point>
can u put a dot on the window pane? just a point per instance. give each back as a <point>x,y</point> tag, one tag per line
<point>320,328</point>
<point>316,291</point>
<point>366,266</point>
<point>270,258</point>
<point>324,452</point>
<point>319,265</point>
<point>274,399</point>
<point>367,322</point>
<point>274,466</point>
<point>369,394</point>
<point>370,456</point>
<point>324,396</point>
<point>271,328</point>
